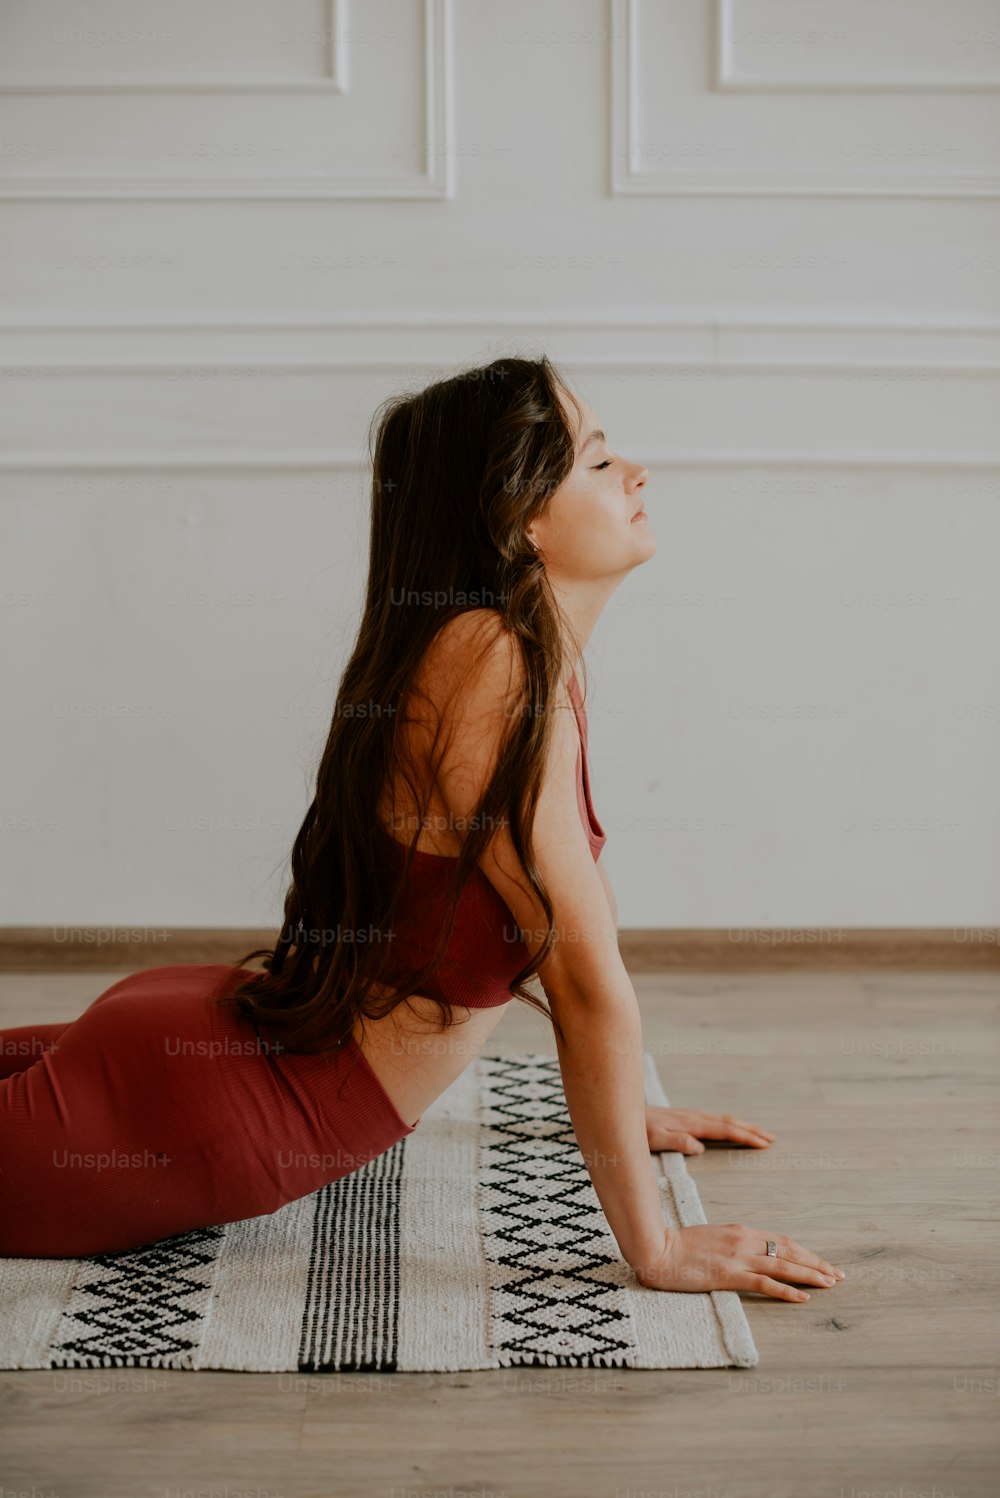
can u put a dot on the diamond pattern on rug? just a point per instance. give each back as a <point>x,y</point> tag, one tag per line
<point>556,1275</point>
<point>147,1304</point>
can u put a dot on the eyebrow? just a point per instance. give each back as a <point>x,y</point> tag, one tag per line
<point>595,436</point>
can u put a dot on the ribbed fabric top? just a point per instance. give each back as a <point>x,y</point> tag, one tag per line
<point>486,949</point>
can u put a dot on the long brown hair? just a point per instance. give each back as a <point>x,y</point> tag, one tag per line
<point>459,469</point>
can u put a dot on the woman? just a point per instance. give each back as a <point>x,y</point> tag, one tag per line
<point>449,854</point>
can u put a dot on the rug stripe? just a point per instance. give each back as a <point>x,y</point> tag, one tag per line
<point>258,1292</point>
<point>443,1284</point>
<point>353,1297</point>
<point>682,1330</point>
<point>350,1317</point>
<point>35,1293</point>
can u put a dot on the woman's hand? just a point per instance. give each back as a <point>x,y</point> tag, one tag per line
<point>734,1257</point>
<point>678,1129</point>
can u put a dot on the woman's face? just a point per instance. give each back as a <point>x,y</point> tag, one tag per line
<point>588,530</point>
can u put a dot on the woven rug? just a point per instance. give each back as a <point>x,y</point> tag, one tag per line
<point>476,1242</point>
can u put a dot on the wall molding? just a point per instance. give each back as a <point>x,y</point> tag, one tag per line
<point>568,319</point>
<point>628,178</point>
<point>405,364</point>
<point>334,80</point>
<point>292,460</point>
<point>436,181</point>
<point>727,79</point>
<point>908,349</point>
<point>699,335</point>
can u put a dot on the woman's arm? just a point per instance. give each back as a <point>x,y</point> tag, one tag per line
<point>609,892</point>
<point>593,1004</point>
<point>591,998</point>
<point>599,1041</point>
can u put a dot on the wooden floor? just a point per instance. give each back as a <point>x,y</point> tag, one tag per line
<point>882,1090</point>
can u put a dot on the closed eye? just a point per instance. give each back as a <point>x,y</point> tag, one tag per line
<point>606,464</point>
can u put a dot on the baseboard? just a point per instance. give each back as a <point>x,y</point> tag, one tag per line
<point>27,949</point>
<point>812,948</point>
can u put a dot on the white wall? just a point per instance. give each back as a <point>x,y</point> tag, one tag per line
<point>782,296</point>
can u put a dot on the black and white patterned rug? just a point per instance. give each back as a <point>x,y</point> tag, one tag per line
<point>476,1242</point>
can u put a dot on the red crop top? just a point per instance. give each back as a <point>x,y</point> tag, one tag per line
<point>486,949</point>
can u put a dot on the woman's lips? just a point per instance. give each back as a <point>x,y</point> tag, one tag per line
<point>639,515</point>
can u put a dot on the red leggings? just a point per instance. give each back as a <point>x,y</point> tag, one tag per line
<point>157,1111</point>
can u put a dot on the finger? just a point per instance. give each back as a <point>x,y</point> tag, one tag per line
<point>741,1123</point>
<point>762,1285</point>
<point>681,1144</point>
<point>795,1253</point>
<point>720,1126</point>
<point>748,1135</point>
<point>800,1274</point>
<point>800,1255</point>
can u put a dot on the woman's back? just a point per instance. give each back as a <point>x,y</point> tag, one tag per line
<point>486,949</point>
<point>423,736</point>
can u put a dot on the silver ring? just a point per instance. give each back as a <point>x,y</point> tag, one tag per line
<point>772,1249</point>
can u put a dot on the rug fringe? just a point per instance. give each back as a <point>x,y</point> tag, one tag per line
<point>124,1360</point>
<point>509,1359</point>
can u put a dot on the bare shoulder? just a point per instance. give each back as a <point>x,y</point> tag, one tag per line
<point>462,695</point>
<point>478,681</point>
<point>472,684</point>
<point>470,650</point>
